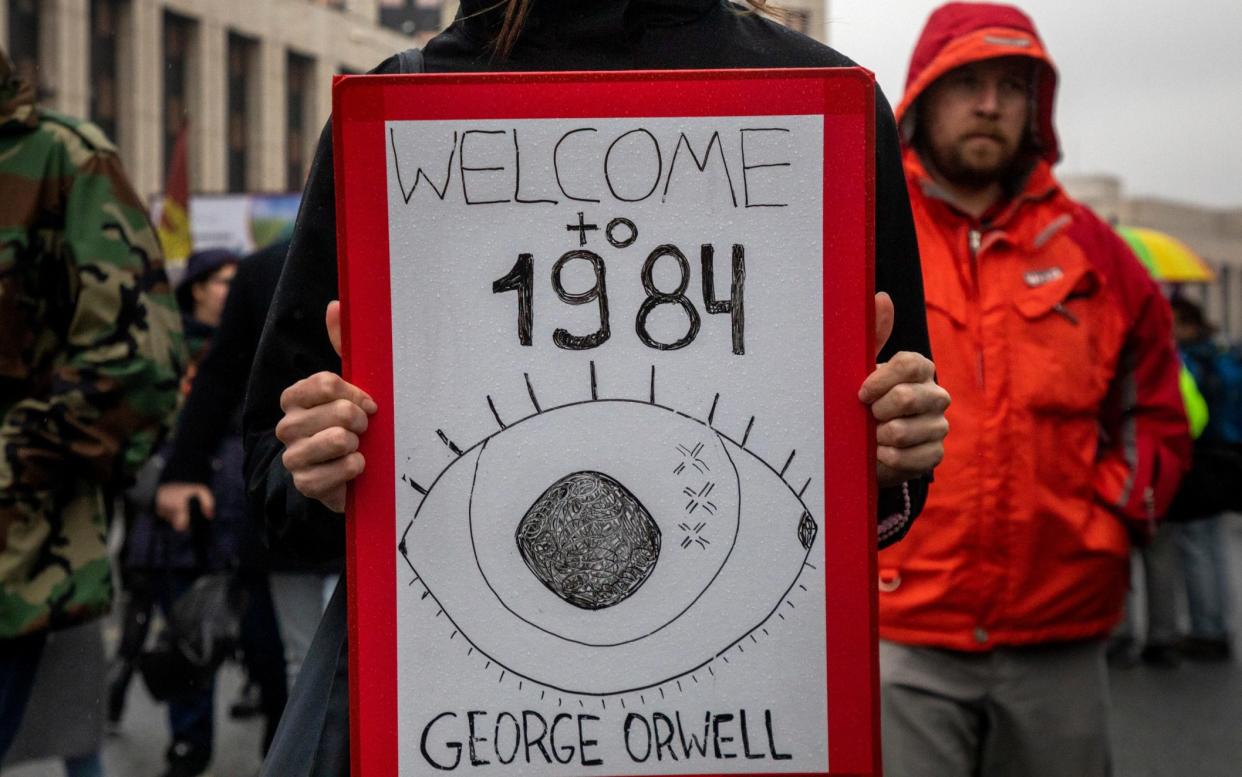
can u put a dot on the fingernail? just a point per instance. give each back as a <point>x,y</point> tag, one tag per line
<point>369,405</point>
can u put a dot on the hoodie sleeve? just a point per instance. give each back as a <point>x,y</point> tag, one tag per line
<point>1145,439</point>
<point>294,345</point>
<point>898,272</point>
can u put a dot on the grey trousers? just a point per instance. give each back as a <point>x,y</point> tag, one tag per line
<point>300,599</point>
<point>313,737</point>
<point>1039,711</point>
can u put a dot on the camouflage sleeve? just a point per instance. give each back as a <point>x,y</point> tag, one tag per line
<point>113,377</point>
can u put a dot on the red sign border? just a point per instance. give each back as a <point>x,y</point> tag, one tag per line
<point>845,97</point>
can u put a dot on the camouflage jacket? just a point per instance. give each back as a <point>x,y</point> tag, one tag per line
<point>90,351</point>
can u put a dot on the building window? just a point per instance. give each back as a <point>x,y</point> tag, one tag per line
<point>427,14</point>
<point>23,44</point>
<point>300,72</point>
<point>105,27</point>
<point>241,56</point>
<point>411,16</point>
<point>178,40</point>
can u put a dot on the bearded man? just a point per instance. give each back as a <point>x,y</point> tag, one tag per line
<point>1068,439</point>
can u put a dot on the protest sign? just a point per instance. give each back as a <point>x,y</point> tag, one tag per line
<point>618,512</point>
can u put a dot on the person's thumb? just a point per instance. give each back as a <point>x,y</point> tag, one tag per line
<point>332,317</point>
<point>884,315</point>
<point>207,501</point>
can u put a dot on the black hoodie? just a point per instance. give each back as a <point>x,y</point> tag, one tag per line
<point>558,35</point>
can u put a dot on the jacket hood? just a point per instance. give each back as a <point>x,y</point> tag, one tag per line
<point>17,99</point>
<point>958,34</point>
<point>558,21</point>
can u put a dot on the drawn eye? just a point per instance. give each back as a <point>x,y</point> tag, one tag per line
<point>621,543</point>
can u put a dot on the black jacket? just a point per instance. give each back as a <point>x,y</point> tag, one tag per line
<point>559,35</point>
<point>212,412</point>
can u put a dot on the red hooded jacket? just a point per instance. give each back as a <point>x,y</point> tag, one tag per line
<point>1067,422</point>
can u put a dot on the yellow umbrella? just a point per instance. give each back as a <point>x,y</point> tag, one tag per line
<point>1167,258</point>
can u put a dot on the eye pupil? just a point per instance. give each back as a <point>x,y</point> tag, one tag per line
<point>589,540</point>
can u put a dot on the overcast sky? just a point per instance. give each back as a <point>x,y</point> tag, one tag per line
<point>1150,90</point>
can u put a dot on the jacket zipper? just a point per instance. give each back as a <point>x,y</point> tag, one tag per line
<point>974,240</point>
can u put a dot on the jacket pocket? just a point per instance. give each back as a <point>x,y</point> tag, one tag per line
<point>1060,360</point>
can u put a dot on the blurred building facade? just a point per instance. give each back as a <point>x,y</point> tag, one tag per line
<point>1214,233</point>
<point>251,78</point>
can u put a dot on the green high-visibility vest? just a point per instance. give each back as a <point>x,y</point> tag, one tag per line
<point>1196,405</point>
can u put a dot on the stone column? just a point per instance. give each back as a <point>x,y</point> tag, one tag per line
<point>209,108</point>
<point>268,123</point>
<point>64,54</point>
<point>321,97</point>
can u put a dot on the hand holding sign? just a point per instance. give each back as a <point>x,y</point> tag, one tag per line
<point>908,407</point>
<point>323,417</point>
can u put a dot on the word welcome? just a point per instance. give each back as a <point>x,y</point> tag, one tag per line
<point>486,166</point>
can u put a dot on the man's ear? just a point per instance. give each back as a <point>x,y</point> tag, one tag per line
<point>910,129</point>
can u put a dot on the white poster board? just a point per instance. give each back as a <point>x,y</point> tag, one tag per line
<point>606,480</point>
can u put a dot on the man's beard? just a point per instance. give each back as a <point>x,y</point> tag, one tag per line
<point>953,165</point>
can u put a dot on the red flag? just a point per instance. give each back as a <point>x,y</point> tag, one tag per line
<point>174,228</point>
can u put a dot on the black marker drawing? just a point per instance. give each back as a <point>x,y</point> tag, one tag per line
<point>581,228</point>
<point>440,190</point>
<point>699,498</point>
<point>598,292</point>
<point>606,546</point>
<point>589,540</point>
<point>655,298</point>
<point>556,163</point>
<point>747,168</point>
<point>589,166</point>
<point>517,177</point>
<point>659,164</point>
<point>694,534</point>
<point>735,306</point>
<point>714,141</point>
<point>463,169</point>
<point>690,456</point>
<point>610,232</point>
<point>521,278</point>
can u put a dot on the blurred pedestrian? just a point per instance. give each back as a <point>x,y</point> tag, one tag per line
<point>165,554</point>
<point>1067,422</point>
<point>1211,486</point>
<point>205,463</point>
<point>1159,564</point>
<point>90,350</point>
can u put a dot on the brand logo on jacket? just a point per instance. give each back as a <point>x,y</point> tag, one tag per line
<point>1037,278</point>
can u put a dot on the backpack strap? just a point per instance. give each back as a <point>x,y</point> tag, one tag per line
<point>410,61</point>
